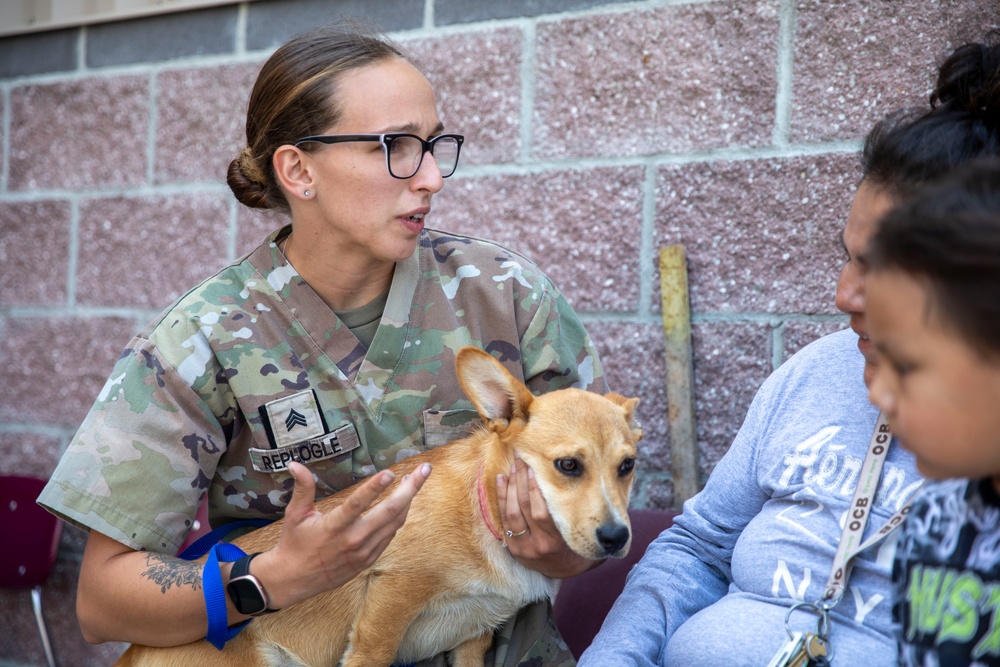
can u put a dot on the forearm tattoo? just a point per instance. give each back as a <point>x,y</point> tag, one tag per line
<point>167,572</point>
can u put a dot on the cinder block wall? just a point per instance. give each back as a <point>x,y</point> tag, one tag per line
<point>597,132</point>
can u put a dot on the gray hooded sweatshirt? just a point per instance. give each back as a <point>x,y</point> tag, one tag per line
<point>715,588</point>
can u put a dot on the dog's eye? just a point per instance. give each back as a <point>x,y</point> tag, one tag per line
<point>569,467</point>
<point>626,467</point>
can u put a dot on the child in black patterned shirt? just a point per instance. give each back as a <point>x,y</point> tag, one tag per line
<point>933,292</point>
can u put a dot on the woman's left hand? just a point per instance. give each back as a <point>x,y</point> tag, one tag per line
<point>523,508</point>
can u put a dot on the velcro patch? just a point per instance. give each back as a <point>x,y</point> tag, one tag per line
<point>294,418</point>
<point>326,446</point>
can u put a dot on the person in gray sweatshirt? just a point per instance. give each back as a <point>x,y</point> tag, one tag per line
<point>724,585</point>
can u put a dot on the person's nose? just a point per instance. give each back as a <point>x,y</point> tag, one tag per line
<point>851,289</point>
<point>428,176</point>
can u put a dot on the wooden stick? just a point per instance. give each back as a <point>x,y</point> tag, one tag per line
<point>680,373</point>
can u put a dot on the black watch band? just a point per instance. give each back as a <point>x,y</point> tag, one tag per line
<point>245,590</point>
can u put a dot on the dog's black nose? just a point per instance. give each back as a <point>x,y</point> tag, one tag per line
<point>612,537</point>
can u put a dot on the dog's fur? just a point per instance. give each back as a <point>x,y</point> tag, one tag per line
<point>445,581</point>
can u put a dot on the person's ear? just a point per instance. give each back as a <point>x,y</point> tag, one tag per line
<point>293,169</point>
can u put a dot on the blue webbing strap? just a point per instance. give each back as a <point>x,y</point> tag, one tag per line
<point>215,596</point>
<point>219,631</point>
<point>200,547</point>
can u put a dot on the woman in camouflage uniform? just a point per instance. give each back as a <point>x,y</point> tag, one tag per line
<point>314,362</point>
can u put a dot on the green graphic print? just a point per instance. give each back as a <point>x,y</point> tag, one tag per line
<point>947,576</point>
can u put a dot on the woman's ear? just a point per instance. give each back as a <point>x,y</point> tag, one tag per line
<point>293,170</point>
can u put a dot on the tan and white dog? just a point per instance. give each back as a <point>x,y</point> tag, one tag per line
<point>446,580</point>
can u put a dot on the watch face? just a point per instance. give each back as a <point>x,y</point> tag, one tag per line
<point>246,596</point>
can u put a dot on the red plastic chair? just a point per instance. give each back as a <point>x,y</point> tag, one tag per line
<point>30,537</point>
<point>200,527</point>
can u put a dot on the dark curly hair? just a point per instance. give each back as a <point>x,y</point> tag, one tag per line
<point>912,147</point>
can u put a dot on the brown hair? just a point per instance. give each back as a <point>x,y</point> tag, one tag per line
<point>295,96</point>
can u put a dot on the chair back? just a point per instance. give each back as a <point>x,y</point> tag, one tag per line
<point>29,535</point>
<point>584,600</point>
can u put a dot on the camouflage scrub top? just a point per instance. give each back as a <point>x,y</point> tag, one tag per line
<point>251,369</point>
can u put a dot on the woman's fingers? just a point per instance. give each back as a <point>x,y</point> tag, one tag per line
<point>509,495</point>
<point>523,508</point>
<point>523,491</point>
<point>502,493</point>
<point>539,509</point>
<point>303,501</point>
<point>371,533</point>
<point>351,536</point>
<point>363,496</point>
<point>388,516</point>
<point>515,510</point>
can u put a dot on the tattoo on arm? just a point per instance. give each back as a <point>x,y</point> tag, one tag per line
<point>167,572</point>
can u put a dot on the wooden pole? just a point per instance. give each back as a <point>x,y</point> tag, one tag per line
<point>680,373</point>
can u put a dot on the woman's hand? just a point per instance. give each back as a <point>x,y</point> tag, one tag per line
<point>149,598</point>
<point>319,552</point>
<point>523,508</point>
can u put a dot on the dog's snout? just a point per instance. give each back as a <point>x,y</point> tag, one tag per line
<point>612,537</point>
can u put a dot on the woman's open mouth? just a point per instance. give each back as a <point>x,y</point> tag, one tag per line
<point>413,223</point>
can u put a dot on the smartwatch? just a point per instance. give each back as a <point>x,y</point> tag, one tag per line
<point>245,590</point>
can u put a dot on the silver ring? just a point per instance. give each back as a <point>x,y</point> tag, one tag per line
<point>822,625</point>
<point>513,534</point>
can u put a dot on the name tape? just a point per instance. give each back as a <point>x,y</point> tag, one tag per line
<point>327,446</point>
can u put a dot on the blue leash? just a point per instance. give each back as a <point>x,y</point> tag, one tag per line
<point>203,544</point>
<point>219,631</point>
<point>215,598</point>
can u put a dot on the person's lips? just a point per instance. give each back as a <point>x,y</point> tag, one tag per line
<point>866,346</point>
<point>414,220</point>
<point>864,342</point>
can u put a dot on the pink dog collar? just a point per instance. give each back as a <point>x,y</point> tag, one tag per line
<point>484,506</point>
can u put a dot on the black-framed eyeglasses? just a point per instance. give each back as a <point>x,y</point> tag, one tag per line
<point>404,153</point>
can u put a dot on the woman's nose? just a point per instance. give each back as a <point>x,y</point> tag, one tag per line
<point>851,289</point>
<point>428,176</point>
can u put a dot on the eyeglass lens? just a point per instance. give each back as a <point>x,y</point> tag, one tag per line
<point>406,153</point>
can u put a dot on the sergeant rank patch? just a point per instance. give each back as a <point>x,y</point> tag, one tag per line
<point>297,431</point>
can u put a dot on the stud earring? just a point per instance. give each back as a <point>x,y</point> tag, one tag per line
<point>305,194</point>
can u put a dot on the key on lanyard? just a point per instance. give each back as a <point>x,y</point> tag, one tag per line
<point>801,650</point>
<point>810,649</point>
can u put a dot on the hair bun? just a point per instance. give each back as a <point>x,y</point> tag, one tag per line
<point>969,80</point>
<point>248,182</point>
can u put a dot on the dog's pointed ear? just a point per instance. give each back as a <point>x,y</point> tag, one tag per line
<point>628,405</point>
<point>499,397</point>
